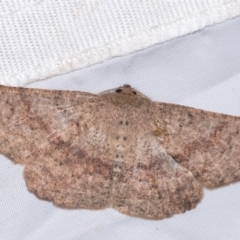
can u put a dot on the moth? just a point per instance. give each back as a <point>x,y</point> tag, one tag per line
<point>117,149</point>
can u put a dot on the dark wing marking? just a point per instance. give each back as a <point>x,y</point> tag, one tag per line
<point>206,143</point>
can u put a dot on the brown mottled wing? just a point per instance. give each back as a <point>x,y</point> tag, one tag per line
<point>206,143</point>
<point>56,135</point>
<point>155,186</point>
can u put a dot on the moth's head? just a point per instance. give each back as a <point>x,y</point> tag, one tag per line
<point>126,90</point>
<point>125,95</point>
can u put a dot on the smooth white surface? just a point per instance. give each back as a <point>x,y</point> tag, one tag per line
<point>40,39</point>
<point>199,70</point>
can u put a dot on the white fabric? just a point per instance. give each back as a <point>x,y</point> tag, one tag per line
<point>199,70</point>
<point>39,39</point>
